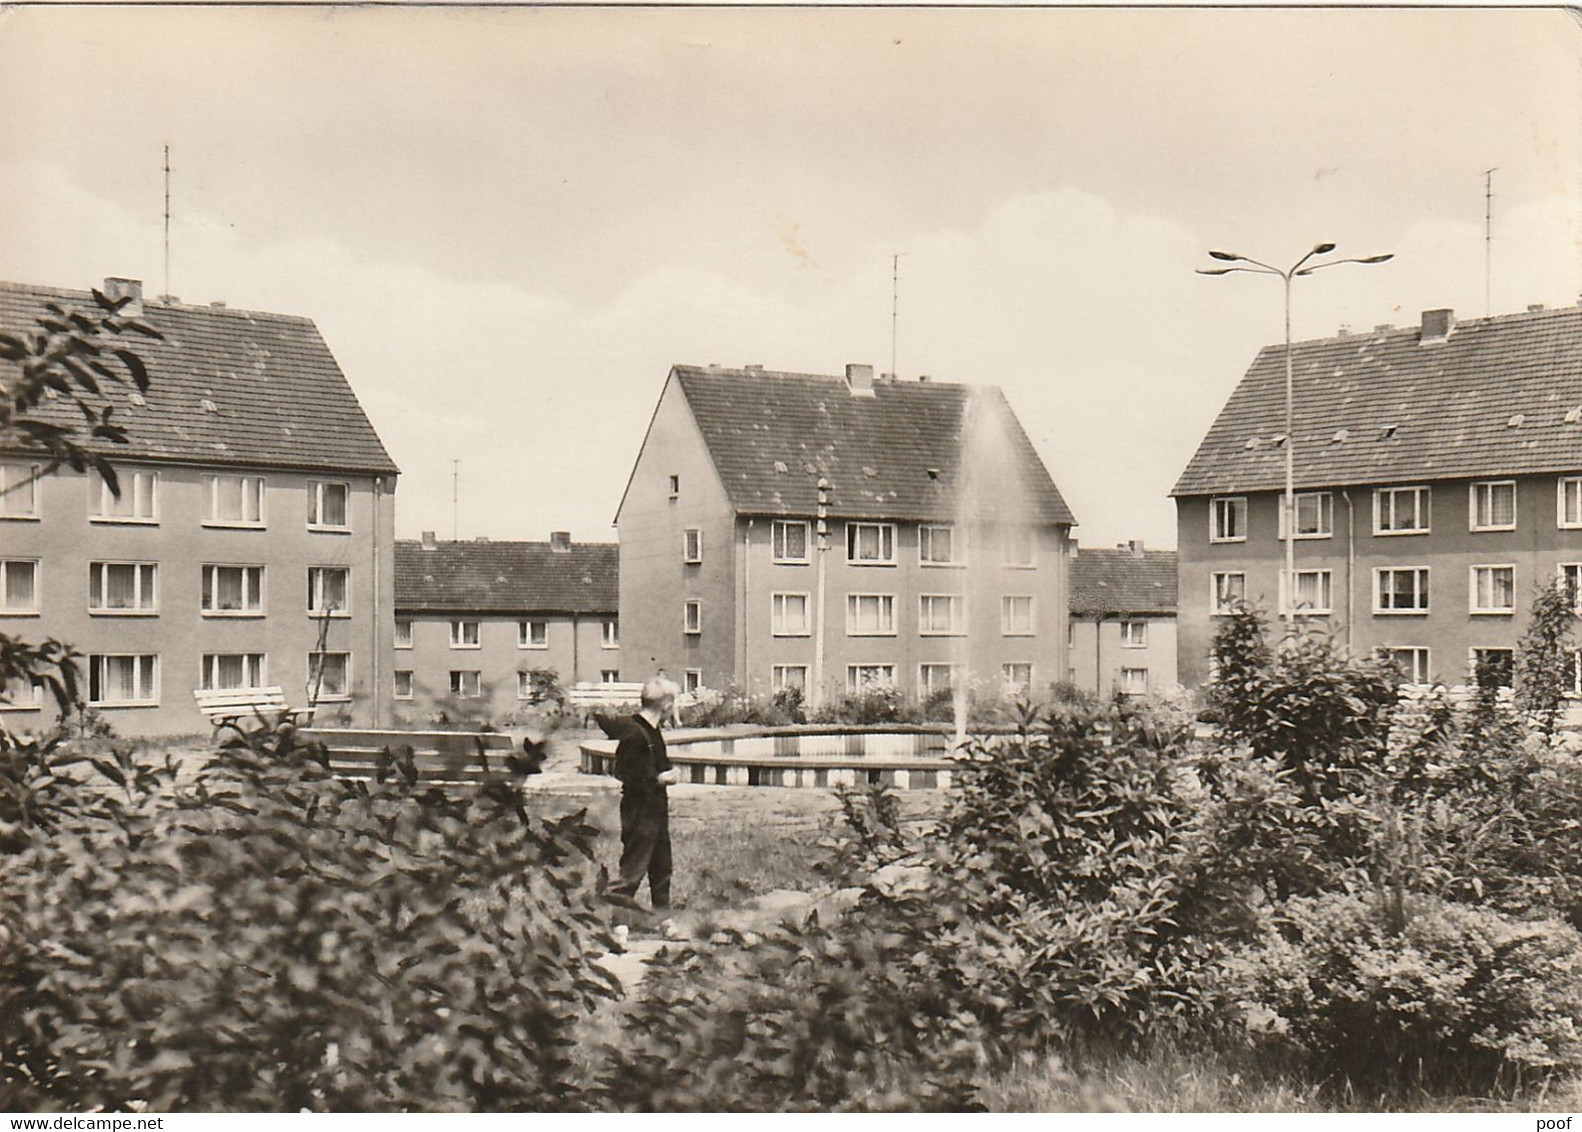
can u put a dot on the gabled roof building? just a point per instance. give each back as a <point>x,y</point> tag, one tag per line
<point>1123,620</point>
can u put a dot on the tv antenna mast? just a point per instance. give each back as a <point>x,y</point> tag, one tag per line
<point>1488,240</point>
<point>455,497</point>
<point>895,308</point>
<point>165,296</point>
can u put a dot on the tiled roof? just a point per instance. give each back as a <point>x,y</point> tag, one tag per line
<point>1120,581</point>
<point>505,577</point>
<point>1492,399</point>
<point>895,455</point>
<point>278,398</point>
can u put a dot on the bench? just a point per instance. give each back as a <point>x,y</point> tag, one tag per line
<point>227,706</point>
<point>587,698</point>
<point>442,758</point>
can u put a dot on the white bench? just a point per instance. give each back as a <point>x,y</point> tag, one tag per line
<point>587,698</point>
<point>228,705</point>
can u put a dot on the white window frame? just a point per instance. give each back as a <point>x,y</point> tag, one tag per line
<point>692,680</point>
<point>1472,662</point>
<point>1562,486</point>
<point>1425,498</point>
<point>854,685</point>
<point>458,633</point>
<point>610,633</point>
<point>1132,674</point>
<point>316,576</point>
<point>211,500</point>
<point>1134,633</point>
<point>525,634</point>
<point>609,675</point>
<point>956,604</point>
<point>316,506</point>
<point>923,688</point>
<point>1007,622</point>
<point>1472,591</point>
<point>458,688</point>
<point>925,536</point>
<point>692,546</point>
<point>32,701</point>
<point>524,684</point>
<point>6,608</point>
<point>1218,507</point>
<point>1576,581</point>
<point>779,624</point>
<point>1325,501</point>
<point>331,697</point>
<point>778,676</point>
<point>10,493</point>
<point>1215,606</point>
<point>411,685</point>
<point>886,535</point>
<point>674,486</point>
<point>254,663</point>
<point>148,602</point>
<point>1487,486</point>
<point>1421,585</point>
<point>777,542</point>
<point>141,485</point>
<point>96,662</point>
<point>253,585</point>
<point>403,633</point>
<point>1326,583</point>
<point>1411,672</point>
<point>1016,687</point>
<point>885,602</point>
<point>692,617</point>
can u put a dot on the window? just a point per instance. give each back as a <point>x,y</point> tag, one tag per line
<point>783,676</point>
<point>1134,682</point>
<point>1573,673</point>
<point>861,677</point>
<point>1228,519</point>
<point>609,675</point>
<point>1493,589</point>
<point>1313,591</point>
<point>1227,591</point>
<point>692,680</point>
<point>524,685</point>
<point>1016,546</point>
<point>692,545</point>
<point>1134,634</point>
<point>1400,590</point>
<point>610,633</point>
<point>1493,506</point>
<point>465,634</point>
<point>1569,502</point>
<point>138,502</point>
<point>935,679</point>
<point>941,615</point>
<point>233,670</point>
<point>328,505</point>
<point>1571,578</point>
<point>21,694</point>
<point>1400,511</point>
<point>937,546</point>
<point>235,590</point>
<point>871,544</point>
<point>675,486</point>
<point>403,684</point>
<point>121,587</point>
<point>788,615</point>
<point>1016,678</point>
<point>532,634</point>
<point>1492,666</point>
<point>692,617</point>
<point>403,634</point>
<point>1315,514</point>
<point>233,501</point>
<point>18,585</point>
<point>1016,616</point>
<point>1410,661</point>
<point>123,681</point>
<point>466,684</point>
<point>869,615</point>
<point>789,541</point>
<point>329,590</point>
<point>330,675</point>
<point>19,491</point>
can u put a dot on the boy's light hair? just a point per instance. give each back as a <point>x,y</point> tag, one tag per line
<point>657,690</point>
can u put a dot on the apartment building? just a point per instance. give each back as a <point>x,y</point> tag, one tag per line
<point>250,545</point>
<point>826,533</point>
<point>1123,620</point>
<point>1438,473</point>
<point>476,620</point>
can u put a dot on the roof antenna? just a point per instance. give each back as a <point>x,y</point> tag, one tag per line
<point>895,309</point>
<point>455,509</point>
<point>1488,239</point>
<point>166,297</point>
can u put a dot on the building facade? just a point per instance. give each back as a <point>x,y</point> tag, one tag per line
<point>1439,486</point>
<point>833,533</point>
<point>250,546</point>
<point>477,623</point>
<point>1123,620</point>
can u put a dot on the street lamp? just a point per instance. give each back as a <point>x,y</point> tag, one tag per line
<point>1300,267</point>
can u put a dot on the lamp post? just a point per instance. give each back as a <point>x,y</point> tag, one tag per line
<point>1300,267</point>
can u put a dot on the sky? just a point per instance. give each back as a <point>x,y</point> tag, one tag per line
<point>509,223</point>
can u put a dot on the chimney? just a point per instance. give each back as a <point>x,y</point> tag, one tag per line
<point>1133,546</point>
<point>753,368</point>
<point>218,304</point>
<point>923,379</point>
<point>1437,326</point>
<point>560,541</point>
<point>117,288</point>
<point>480,538</point>
<point>859,379</point>
<point>1534,308</point>
<point>428,541</point>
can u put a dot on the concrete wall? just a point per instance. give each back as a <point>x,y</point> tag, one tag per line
<point>1097,654</point>
<point>64,540</point>
<point>1535,548</point>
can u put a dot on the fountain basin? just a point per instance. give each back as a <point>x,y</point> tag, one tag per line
<point>903,757</point>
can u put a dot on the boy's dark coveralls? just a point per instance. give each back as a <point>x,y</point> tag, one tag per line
<point>645,812</point>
